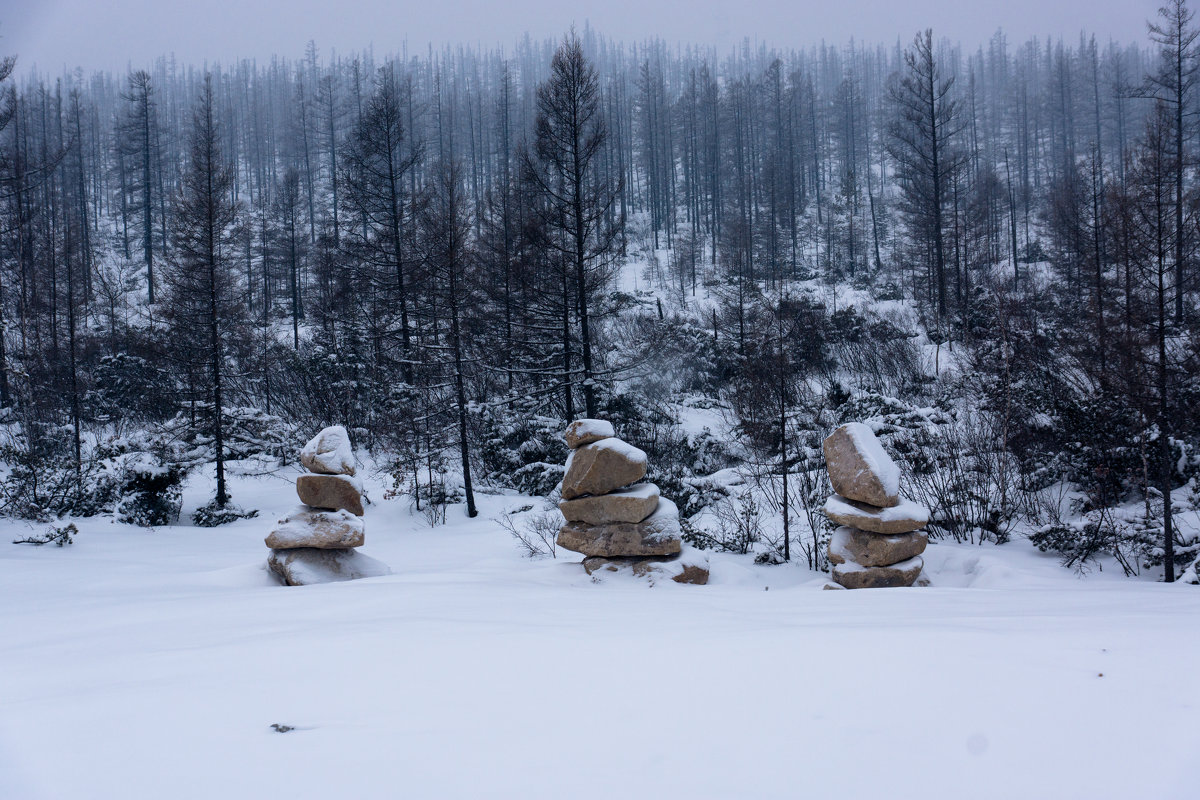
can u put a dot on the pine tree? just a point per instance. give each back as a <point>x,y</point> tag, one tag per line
<point>205,306</point>
<point>577,199</point>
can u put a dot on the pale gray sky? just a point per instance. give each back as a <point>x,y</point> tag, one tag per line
<point>102,34</point>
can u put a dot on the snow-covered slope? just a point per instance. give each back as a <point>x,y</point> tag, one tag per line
<point>148,664</point>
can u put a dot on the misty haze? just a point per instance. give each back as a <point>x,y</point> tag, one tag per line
<point>667,399</point>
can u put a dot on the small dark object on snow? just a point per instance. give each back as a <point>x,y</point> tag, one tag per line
<point>281,728</point>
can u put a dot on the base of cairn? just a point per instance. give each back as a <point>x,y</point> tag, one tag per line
<point>301,566</point>
<point>853,576</point>
<point>690,566</point>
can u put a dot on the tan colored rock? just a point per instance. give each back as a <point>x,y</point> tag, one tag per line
<point>657,535</point>
<point>331,492</point>
<point>689,567</point>
<point>852,546</point>
<point>329,452</point>
<point>334,530</point>
<point>586,431</point>
<point>859,468</point>
<point>853,576</point>
<point>601,467</point>
<point>632,504</point>
<point>902,518</point>
<point>308,565</point>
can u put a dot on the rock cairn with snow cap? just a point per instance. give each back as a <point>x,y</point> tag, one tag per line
<point>316,542</point>
<point>615,521</point>
<point>880,541</point>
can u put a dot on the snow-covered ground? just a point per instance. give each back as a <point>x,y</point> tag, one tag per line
<point>152,664</point>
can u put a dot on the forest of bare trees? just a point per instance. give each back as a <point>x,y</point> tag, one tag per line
<point>991,252</point>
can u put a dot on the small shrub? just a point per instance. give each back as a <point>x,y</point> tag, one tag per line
<point>151,493</point>
<point>56,536</point>
<point>536,534</point>
<point>212,515</point>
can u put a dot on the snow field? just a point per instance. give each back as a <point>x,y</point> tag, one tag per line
<point>152,663</point>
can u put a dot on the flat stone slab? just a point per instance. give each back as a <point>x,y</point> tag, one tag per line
<point>854,576</point>
<point>331,492</point>
<point>631,504</point>
<point>657,535</point>
<point>329,452</point>
<point>586,431</point>
<point>308,565</point>
<point>336,530</point>
<point>601,467</point>
<point>690,566</point>
<point>852,546</point>
<point>902,518</point>
<point>859,468</point>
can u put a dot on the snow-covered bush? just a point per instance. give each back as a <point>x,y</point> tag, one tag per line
<point>127,388</point>
<point>41,479</point>
<point>733,524</point>
<point>151,492</point>
<point>249,434</point>
<point>213,515</point>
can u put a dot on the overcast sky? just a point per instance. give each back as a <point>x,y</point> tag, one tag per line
<point>104,34</point>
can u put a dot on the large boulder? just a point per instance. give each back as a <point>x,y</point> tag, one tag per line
<point>331,492</point>
<point>307,565</point>
<point>335,530</point>
<point>866,549</point>
<point>657,535</point>
<point>691,567</point>
<point>586,431</point>
<point>859,468</point>
<point>632,504</point>
<point>855,576</point>
<point>601,467</point>
<point>329,452</point>
<point>902,518</point>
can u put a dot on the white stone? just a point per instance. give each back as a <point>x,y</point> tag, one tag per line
<point>329,452</point>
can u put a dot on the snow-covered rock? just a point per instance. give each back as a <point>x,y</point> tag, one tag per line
<point>307,565</point>
<point>902,518</point>
<point>331,492</point>
<point>601,467</point>
<point>866,549</point>
<point>323,529</point>
<point>329,452</point>
<point>632,504</point>
<point>856,576</point>
<point>690,566</point>
<point>586,431</point>
<point>657,535</point>
<point>859,468</point>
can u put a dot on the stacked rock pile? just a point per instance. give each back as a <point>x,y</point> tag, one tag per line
<point>613,520</point>
<point>880,541</point>
<point>316,543</point>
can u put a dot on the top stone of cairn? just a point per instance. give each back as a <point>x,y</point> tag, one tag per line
<point>859,468</point>
<point>586,431</point>
<point>329,452</point>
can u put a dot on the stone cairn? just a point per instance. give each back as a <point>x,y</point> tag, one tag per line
<point>316,543</point>
<point>880,542</point>
<point>613,520</point>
